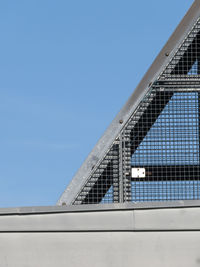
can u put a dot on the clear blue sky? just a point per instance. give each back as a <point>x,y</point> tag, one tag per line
<point>66,69</point>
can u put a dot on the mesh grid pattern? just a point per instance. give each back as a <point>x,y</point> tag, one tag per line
<point>102,186</point>
<point>108,197</point>
<point>173,138</point>
<point>185,61</point>
<point>165,190</point>
<point>162,138</point>
<point>169,150</point>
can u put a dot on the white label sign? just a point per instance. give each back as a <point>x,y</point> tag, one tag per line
<point>138,172</point>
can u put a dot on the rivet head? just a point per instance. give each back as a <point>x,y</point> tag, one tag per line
<point>120,121</point>
<point>166,54</point>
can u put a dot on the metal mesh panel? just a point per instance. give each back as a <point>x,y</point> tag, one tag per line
<point>173,139</point>
<point>156,157</point>
<point>165,190</point>
<point>166,146</point>
<point>194,69</point>
<point>103,185</point>
<point>108,198</point>
<point>186,60</point>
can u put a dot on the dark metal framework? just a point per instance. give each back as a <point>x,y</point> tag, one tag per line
<point>156,154</point>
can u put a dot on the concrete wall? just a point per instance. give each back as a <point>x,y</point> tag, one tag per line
<point>139,237</point>
<point>116,249</point>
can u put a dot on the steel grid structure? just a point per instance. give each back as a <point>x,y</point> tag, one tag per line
<point>151,151</point>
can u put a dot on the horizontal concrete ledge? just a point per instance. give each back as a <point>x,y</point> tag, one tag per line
<point>100,207</point>
<point>122,218</point>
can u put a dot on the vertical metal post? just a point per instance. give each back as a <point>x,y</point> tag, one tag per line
<point>198,72</point>
<point>115,173</point>
<point>121,180</point>
<point>199,133</point>
<point>127,165</point>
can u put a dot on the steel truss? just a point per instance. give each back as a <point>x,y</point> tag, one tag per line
<point>151,151</point>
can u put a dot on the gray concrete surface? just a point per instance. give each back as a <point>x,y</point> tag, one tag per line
<point>135,235</point>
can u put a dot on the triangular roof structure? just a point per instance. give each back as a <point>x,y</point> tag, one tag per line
<point>151,150</point>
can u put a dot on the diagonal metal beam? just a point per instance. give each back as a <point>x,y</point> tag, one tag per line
<point>192,53</point>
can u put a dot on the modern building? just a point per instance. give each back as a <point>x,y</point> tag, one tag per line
<point>135,201</point>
